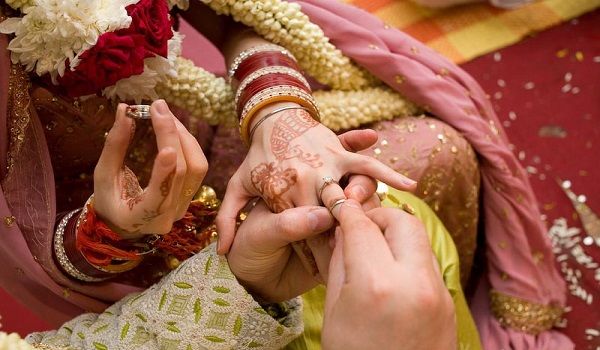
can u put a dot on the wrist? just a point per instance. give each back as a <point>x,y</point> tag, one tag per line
<point>267,116</point>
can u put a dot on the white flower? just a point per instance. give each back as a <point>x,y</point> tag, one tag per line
<point>20,4</point>
<point>156,69</point>
<point>54,31</point>
<point>182,4</point>
<point>13,342</point>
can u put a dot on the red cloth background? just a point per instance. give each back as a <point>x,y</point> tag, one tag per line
<point>526,83</point>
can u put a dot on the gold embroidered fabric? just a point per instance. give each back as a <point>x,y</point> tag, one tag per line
<point>523,315</point>
<point>18,112</point>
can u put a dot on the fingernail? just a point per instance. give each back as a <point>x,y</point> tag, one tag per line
<point>319,219</point>
<point>161,107</point>
<point>409,182</point>
<point>357,192</point>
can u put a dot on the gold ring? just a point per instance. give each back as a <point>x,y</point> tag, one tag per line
<point>408,208</point>
<point>327,180</point>
<point>336,203</point>
<point>138,111</point>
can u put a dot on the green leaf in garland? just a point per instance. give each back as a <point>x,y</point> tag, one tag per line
<point>81,335</point>
<point>141,317</point>
<point>260,310</point>
<point>254,344</point>
<point>279,330</point>
<point>100,329</point>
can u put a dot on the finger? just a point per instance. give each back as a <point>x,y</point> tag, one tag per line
<point>321,251</point>
<point>365,248</point>
<point>235,200</point>
<point>336,274</point>
<point>116,144</point>
<point>405,234</point>
<point>365,165</point>
<point>332,194</point>
<point>358,140</point>
<point>163,122</point>
<point>158,192</point>
<point>196,164</point>
<point>293,225</point>
<point>360,188</point>
<point>371,203</point>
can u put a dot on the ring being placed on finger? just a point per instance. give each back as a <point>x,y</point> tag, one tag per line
<point>336,203</point>
<point>327,180</point>
<point>138,111</point>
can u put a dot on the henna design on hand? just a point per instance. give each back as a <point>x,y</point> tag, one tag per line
<point>131,191</point>
<point>272,181</point>
<point>291,125</point>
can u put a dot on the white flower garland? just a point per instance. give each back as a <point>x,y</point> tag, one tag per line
<point>210,98</point>
<point>54,31</point>
<point>199,92</point>
<point>13,342</point>
<point>283,23</point>
<point>341,110</point>
<point>18,4</point>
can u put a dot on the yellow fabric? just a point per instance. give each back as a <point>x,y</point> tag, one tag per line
<point>447,257</point>
<point>462,33</point>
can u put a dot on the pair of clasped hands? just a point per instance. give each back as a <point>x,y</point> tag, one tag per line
<point>384,287</point>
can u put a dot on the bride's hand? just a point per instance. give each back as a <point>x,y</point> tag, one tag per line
<point>178,171</point>
<point>261,256</point>
<point>289,158</point>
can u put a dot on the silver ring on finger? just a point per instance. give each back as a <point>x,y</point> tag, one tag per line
<point>138,112</point>
<point>327,180</point>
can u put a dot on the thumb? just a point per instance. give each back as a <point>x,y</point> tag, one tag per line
<point>296,224</point>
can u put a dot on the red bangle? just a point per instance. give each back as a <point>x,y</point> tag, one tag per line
<point>268,81</point>
<point>261,60</point>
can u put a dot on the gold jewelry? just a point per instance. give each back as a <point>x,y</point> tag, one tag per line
<point>253,130</point>
<point>408,208</point>
<point>279,93</point>
<point>138,112</point>
<point>336,203</point>
<point>327,180</point>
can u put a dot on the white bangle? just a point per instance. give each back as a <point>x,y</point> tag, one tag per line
<point>244,55</point>
<point>61,254</point>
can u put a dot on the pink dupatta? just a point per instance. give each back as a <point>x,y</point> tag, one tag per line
<point>513,227</point>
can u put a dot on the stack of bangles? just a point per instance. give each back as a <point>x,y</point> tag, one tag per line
<point>88,250</point>
<point>268,74</point>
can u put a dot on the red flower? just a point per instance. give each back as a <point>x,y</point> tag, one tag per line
<point>116,55</point>
<point>120,54</point>
<point>150,18</point>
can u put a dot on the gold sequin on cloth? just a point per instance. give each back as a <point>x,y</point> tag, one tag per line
<point>18,112</point>
<point>523,315</point>
<point>443,163</point>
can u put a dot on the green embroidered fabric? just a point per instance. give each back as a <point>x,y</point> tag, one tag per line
<point>200,305</point>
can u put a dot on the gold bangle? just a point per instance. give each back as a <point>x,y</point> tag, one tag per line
<point>280,93</point>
